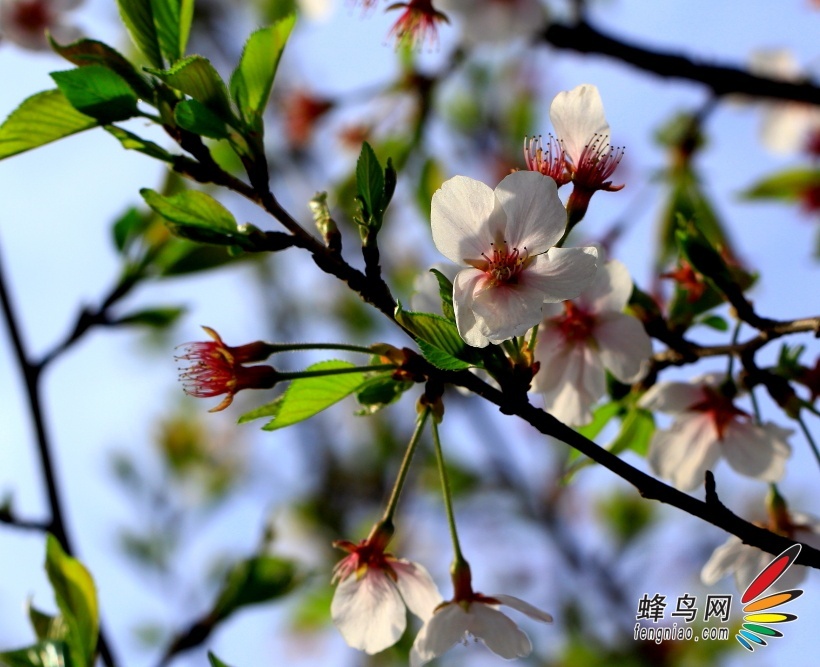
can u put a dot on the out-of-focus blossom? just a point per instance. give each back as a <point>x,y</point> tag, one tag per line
<point>788,127</point>
<point>373,590</point>
<point>506,237</point>
<point>592,334</point>
<point>496,21</point>
<point>25,22</point>
<point>302,112</point>
<point>479,616</point>
<point>689,280</point>
<point>216,369</point>
<point>417,24</point>
<point>709,425</point>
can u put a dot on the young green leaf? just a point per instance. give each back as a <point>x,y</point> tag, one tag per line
<point>47,627</point>
<point>77,600</point>
<point>39,120</point>
<point>370,186</point>
<point>306,397</point>
<point>253,581</point>
<point>138,16</point>
<point>438,333</point>
<point>172,20</point>
<point>85,52</point>
<point>379,392</point>
<point>196,77</point>
<point>216,662</point>
<point>445,290</point>
<point>197,118</point>
<point>98,92</point>
<point>192,208</point>
<point>132,142</point>
<point>636,431</point>
<point>51,653</point>
<point>715,322</point>
<point>157,318</point>
<point>252,80</point>
<point>789,185</point>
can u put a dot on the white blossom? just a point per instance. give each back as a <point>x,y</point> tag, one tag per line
<point>506,237</point>
<point>707,426</point>
<point>581,339</point>
<point>480,617</point>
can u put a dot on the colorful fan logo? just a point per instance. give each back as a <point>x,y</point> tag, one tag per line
<point>760,610</point>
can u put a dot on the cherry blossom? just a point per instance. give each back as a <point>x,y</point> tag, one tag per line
<point>707,426</point>
<point>373,589</point>
<point>496,21</point>
<point>506,238</point>
<point>579,341</point>
<point>418,23</point>
<point>478,617</point>
<point>25,22</point>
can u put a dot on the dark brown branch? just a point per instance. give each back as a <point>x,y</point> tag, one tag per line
<point>720,79</point>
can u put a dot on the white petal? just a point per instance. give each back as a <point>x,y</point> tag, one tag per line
<point>563,273</point>
<point>524,607</point>
<point>686,451</point>
<point>369,612</point>
<point>465,217</point>
<point>464,286</point>
<point>500,633</point>
<point>572,380</point>
<point>505,311</point>
<point>417,588</point>
<point>536,218</point>
<point>610,291</point>
<point>624,345</point>
<point>671,397</point>
<point>755,451</point>
<point>785,128</point>
<point>439,633</point>
<point>577,116</point>
<point>723,560</point>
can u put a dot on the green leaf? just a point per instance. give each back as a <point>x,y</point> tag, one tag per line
<point>85,52</point>
<point>370,186</point>
<point>216,662</point>
<point>77,600</point>
<point>138,17</point>
<point>380,391</point>
<point>197,118</point>
<point>196,77</point>
<point>254,581</point>
<point>306,397</point>
<point>601,416</point>
<point>39,120</point>
<point>132,142</point>
<point>127,228</point>
<point>47,627</point>
<point>636,432</point>
<point>43,654</point>
<point>172,21</point>
<point>98,92</point>
<point>268,410</point>
<point>440,358</point>
<point>252,80</point>
<point>437,333</point>
<point>195,215</point>
<point>715,322</point>
<point>157,318</point>
<point>445,290</point>
<point>789,185</point>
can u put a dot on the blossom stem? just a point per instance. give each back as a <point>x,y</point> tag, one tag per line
<point>298,375</point>
<point>809,438</point>
<point>755,407</point>
<point>405,466</point>
<point>458,558</point>
<point>735,336</point>
<point>292,347</point>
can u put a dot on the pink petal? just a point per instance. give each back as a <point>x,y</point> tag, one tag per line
<point>464,286</point>
<point>674,397</point>
<point>624,346</point>
<point>758,452</point>
<point>501,635</point>
<point>417,588</point>
<point>563,273</point>
<point>610,291</point>
<point>577,116</point>
<point>686,451</point>
<point>439,633</point>
<point>524,607</point>
<point>723,560</point>
<point>505,311</point>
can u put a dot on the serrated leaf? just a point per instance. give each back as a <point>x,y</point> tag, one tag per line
<point>445,290</point>
<point>192,208</point>
<point>197,118</point>
<point>138,16</point>
<point>39,120</point>
<point>306,397</point>
<point>370,185</point>
<point>789,185</point>
<point>85,52</point>
<point>77,601</point>
<point>252,80</point>
<point>254,581</point>
<point>43,654</point>
<point>132,142</point>
<point>98,92</point>
<point>440,358</point>
<point>197,78</point>
<point>172,21</point>
<point>438,333</point>
<point>216,662</point>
